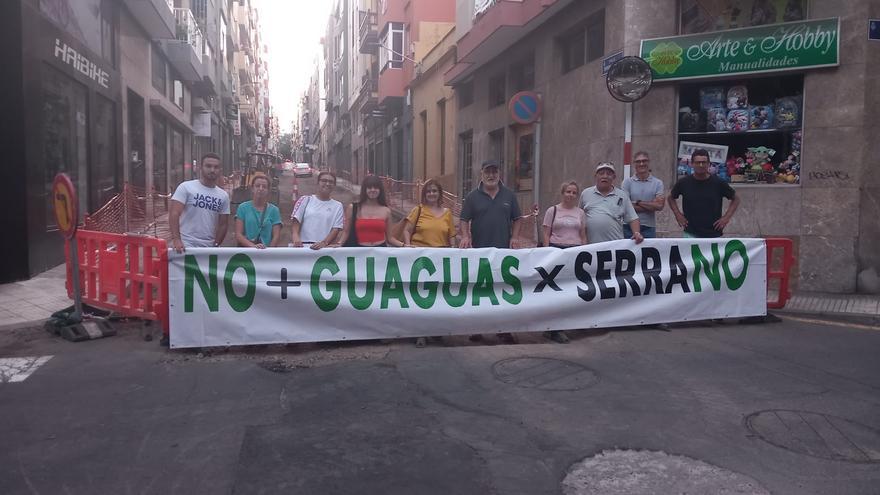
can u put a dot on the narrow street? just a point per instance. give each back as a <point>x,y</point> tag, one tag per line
<point>786,408</point>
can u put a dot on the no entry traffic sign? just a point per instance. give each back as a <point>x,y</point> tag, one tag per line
<point>66,209</point>
<point>525,107</point>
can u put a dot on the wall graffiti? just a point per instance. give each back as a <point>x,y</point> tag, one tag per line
<point>829,174</point>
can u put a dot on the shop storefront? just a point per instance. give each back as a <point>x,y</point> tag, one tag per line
<point>69,117</point>
<point>777,92</point>
<point>741,95</point>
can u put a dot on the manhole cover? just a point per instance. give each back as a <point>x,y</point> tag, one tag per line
<point>544,373</point>
<point>816,435</point>
<point>630,472</point>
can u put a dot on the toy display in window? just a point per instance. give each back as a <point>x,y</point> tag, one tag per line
<point>737,97</point>
<point>761,117</point>
<point>711,98</point>
<point>716,119</point>
<point>788,111</point>
<point>690,121</point>
<point>738,120</point>
<point>760,169</point>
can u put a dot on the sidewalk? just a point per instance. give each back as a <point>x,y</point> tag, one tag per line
<point>30,302</point>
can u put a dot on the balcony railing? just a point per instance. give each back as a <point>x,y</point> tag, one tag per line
<point>188,30</point>
<point>369,35</point>
<point>481,6</point>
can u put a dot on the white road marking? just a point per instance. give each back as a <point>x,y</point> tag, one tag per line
<point>830,322</point>
<point>17,369</point>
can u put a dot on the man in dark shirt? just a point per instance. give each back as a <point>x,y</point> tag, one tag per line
<point>490,215</point>
<point>702,197</point>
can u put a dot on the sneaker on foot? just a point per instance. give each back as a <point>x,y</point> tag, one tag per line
<point>477,337</point>
<point>421,342</point>
<point>507,338</point>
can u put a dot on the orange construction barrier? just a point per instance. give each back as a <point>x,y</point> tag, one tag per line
<point>780,273</point>
<point>123,273</point>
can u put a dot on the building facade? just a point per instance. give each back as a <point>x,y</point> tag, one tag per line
<point>769,101</point>
<point>115,92</point>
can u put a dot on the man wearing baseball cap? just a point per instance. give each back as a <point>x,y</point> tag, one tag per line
<point>490,215</point>
<point>608,208</point>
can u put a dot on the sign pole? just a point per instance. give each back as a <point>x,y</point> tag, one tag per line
<point>627,139</point>
<point>67,217</point>
<point>76,317</point>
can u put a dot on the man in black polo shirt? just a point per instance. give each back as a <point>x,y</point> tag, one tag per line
<point>490,215</point>
<point>702,197</point>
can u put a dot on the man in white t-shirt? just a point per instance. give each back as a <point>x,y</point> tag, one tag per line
<point>199,209</point>
<point>317,219</point>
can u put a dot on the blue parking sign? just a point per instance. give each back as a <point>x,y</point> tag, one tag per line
<point>874,29</point>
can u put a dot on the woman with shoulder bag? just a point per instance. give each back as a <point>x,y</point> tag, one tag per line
<point>565,226</point>
<point>258,222</point>
<point>429,224</point>
<point>369,222</point>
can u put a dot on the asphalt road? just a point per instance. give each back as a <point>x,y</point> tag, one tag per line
<point>788,407</point>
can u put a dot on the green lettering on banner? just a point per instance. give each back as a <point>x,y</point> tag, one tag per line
<point>455,300</point>
<point>423,264</point>
<point>767,48</point>
<point>191,272</point>
<point>393,286</point>
<point>236,302</point>
<point>701,263</point>
<point>358,302</point>
<point>326,304</point>
<point>485,284</point>
<point>515,295</point>
<point>734,283</point>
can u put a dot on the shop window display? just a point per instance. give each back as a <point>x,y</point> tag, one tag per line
<point>751,128</point>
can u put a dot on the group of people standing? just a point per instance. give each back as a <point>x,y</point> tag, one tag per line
<point>490,215</point>
<point>605,212</point>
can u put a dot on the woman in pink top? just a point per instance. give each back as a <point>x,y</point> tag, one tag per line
<point>565,224</point>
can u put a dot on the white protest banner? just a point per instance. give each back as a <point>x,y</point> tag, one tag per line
<point>226,296</point>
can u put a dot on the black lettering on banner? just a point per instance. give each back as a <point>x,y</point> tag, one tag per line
<point>626,274</point>
<point>603,274</point>
<point>548,279</point>
<point>652,273</point>
<point>678,271</point>
<point>583,275</point>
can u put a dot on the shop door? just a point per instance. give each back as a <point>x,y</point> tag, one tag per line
<point>160,155</point>
<point>524,167</point>
<point>103,185</point>
<point>65,138</point>
<point>136,155</point>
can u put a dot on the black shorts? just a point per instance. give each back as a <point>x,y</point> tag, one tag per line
<point>560,246</point>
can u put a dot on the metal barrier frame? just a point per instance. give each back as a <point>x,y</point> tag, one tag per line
<point>123,273</point>
<point>782,274</point>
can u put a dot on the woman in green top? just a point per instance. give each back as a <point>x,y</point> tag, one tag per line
<point>258,222</point>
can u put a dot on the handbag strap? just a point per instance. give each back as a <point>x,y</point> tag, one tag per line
<point>260,225</point>
<point>552,221</point>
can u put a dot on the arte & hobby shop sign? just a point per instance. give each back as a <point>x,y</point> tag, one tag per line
<point>772,48</point>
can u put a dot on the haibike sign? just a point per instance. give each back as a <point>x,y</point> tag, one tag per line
<point>250,296</point>
<point>793,45</point>
<point>82,64</point>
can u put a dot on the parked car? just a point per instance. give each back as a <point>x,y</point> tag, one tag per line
<point>302,170</point>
